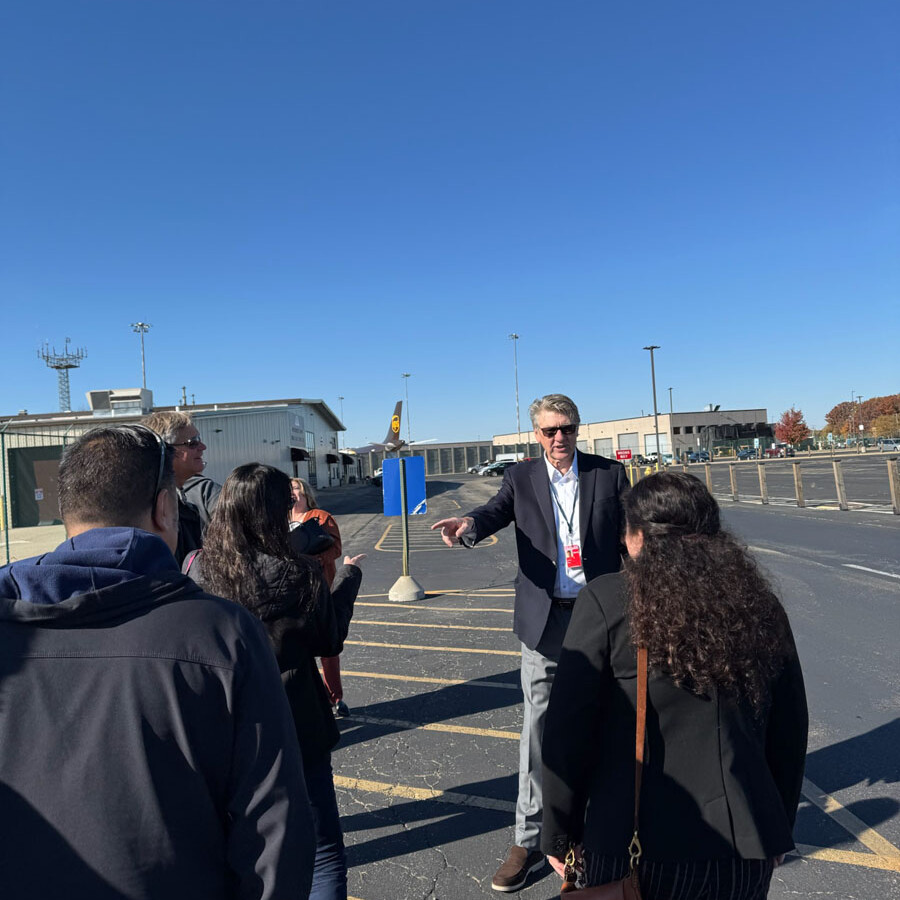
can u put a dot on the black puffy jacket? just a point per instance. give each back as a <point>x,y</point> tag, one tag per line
<point>300,632</point>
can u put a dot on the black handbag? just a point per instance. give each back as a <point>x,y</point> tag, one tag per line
<point>309,538</point>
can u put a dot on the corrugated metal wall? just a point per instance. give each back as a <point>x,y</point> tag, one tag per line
<point>236,437</point>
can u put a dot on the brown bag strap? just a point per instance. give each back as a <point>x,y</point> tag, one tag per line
<point>640,741</point>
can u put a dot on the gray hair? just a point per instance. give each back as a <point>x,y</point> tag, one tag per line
<point>167,424</point>
<point>558,403</point>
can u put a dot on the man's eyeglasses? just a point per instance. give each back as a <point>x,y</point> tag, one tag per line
<point>565,429</point>
<point>143,429</point>
<point>192,442</point>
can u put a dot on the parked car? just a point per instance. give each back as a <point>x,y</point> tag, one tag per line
<point>479,467</point>
<point>747,453</point>
<point>698,456</point>
<point>497,468</point>
<point>889,445</point>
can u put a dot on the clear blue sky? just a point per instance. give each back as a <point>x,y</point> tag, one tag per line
<point>309,198</point>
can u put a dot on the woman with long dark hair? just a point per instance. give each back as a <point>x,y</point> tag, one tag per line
<point>247,557</point>
<point>726,719</point>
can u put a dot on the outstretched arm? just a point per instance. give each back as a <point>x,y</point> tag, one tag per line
<point>452,530</point>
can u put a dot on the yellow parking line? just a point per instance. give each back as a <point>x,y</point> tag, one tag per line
<point>429,625</point>
<point>850,858</point>
<point>422,679</point>
<point>406,606</point>
<point>438,649</point>
<point>867,836</point>
<point>487,542</point>
<point>407,792</point>
<point>458,592</point>
<point>437,726</point>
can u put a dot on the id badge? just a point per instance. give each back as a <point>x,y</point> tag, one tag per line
<point>573,556</point>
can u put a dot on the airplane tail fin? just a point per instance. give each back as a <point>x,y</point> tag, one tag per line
<point>393,435</point>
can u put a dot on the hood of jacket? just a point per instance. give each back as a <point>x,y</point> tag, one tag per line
<point>93,561</point>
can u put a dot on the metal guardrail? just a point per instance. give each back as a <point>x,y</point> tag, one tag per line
<point>729,480</point>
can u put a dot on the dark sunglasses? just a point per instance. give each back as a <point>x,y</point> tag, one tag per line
<point>565,429</point>
<point>193,442</point>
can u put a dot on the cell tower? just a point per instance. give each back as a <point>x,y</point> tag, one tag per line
<point>62,362</point>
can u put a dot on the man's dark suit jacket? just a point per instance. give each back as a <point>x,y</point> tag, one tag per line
<point>524,498</point>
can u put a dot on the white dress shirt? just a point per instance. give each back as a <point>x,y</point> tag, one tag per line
<point>564,496</point>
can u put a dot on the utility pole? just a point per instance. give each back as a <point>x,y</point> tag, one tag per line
<point>341,401</point>
<point>142,328</point>
<point>671,426</point>
<point>515,339</point>
<point>651,348</point>
<point>405,376</point>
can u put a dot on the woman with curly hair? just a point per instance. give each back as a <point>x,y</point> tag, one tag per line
<point>247,557</point>
<point>726,718</point>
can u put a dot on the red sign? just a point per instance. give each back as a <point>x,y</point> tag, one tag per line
<point>623,454</point>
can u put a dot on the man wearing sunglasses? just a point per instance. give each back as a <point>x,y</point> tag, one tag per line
<point>197,495</point>
<point>568,517</point>
<point>148,747</point>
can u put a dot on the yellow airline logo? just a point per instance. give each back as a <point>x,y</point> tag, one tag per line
<point>395,424</point>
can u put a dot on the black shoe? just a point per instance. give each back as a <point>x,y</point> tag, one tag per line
<point>520,863</point>
<point>340,710</point>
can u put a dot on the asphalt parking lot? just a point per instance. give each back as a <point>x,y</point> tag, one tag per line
<point>426,772</point>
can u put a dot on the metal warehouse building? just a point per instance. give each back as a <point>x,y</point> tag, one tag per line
<point>298,436</point>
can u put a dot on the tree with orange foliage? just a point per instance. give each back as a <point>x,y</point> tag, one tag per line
<point>790,428</point>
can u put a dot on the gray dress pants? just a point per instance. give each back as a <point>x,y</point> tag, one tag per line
<point>538,671</point>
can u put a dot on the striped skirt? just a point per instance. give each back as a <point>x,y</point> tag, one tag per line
<point>712,879</point>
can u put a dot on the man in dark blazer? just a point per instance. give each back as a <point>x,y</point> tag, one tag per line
<point>568,517</point>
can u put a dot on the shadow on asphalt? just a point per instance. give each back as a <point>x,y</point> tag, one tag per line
<point>866,759</point>
<point>449,702</point>
<point>362,499</point>
<point>454,823</point>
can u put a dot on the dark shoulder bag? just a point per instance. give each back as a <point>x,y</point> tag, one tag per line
<point>310,538</point>
<point>626,888</point>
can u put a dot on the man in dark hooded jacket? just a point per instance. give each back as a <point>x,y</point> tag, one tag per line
<point>147,746</point>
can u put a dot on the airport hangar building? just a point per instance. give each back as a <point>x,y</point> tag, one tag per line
<point>300,436</point>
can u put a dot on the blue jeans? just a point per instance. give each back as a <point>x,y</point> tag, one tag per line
<point>330,871</point>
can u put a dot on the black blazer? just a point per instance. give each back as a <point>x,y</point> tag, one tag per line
<point>524,498</point>
<point>718,782</point>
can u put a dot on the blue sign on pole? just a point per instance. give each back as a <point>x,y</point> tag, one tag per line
<point>415,486</point>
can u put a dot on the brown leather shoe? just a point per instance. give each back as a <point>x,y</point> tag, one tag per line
<point>520,863</point>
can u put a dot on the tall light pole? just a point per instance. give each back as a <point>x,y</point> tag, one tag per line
<point>671,426</point>
<point>341,401</point>
<point>515,339</point>
<point>142,328</point>
<point>405,376</point>
<point>651,348</point>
